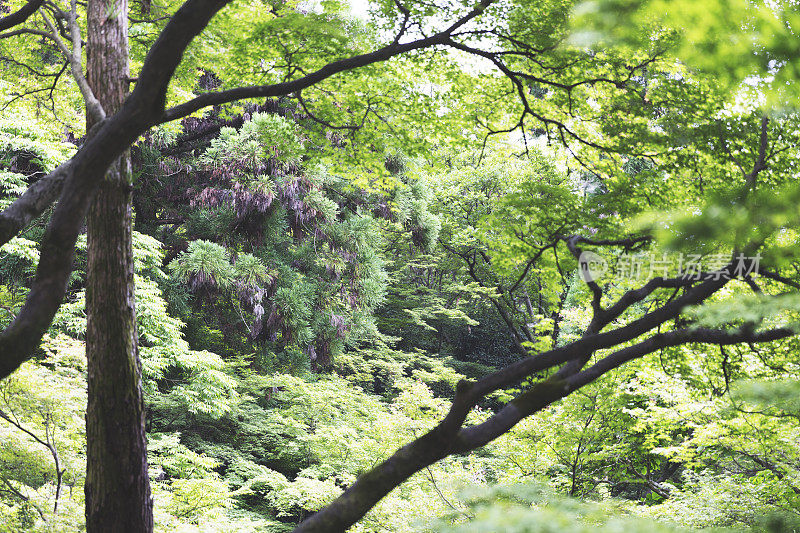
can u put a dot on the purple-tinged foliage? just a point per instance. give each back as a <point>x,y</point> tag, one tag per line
<point>281,217</point>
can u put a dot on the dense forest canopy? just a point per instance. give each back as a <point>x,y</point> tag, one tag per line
<point>507,265</point>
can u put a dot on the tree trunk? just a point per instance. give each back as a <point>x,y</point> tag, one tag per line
<point>117,484</point>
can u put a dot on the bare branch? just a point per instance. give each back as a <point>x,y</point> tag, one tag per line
<point>86,169</point>
<point>761,160</point>
<point>320,121</point>
<point>32,203</point>
<point>11,489</point>
<point>29,68</point>
<point>93,107</point>
<point>335,67</point>
<point>448,437</point>
<point>20,15</point>
<point>777,277</point>
<point>27,31</point>
<point>529,264</point>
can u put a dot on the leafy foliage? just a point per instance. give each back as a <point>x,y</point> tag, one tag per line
<point>316,274</point>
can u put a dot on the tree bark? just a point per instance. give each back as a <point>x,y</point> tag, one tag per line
<point>117,484</point>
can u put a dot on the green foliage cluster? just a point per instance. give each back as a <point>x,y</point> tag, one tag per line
<point>271,265</point>
<point>314,275</point>
<point>263,136</point>
<point>243,443</point>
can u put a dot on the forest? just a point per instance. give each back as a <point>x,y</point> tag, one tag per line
<point>418,266</point>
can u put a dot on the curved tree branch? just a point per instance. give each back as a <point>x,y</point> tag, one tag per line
<point>93,107</point>
<point>108,139</point>
<point>449,438</point>
<point>33,202</point>
<point>21,15</point>
<point>335,67</point>
<point>143,108</point>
